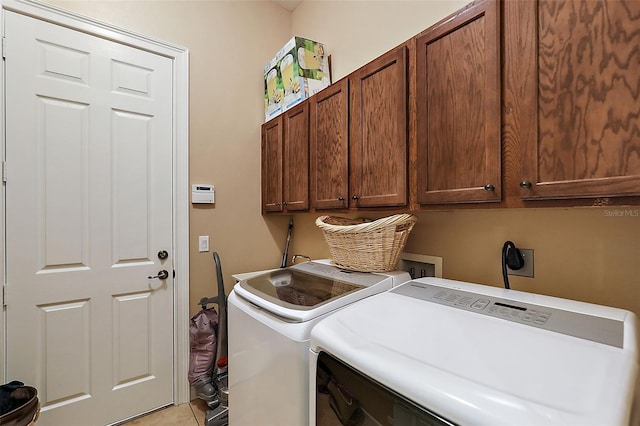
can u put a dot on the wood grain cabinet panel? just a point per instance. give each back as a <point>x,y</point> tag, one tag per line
<point>296,158</point>
<point>285,161</point>
<point>329,147</point>
<point>272,166</point>
<point>583,85</point>
<point>458,108</point>
<point>378,127</point>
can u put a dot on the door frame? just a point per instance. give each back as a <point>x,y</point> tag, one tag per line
<point>180,178</point>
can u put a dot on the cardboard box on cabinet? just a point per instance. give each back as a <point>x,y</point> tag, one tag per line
<point>300,69</point>
<point>273,93</point>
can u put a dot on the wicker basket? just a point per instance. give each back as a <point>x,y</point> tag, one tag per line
<point>366,246</point>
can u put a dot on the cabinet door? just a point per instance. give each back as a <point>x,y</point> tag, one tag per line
<point>378,132</point>
<point>584,94</point>
<point>458,108</point>
<point>296,158</point>
<point>329,147</point>
<point>272,165</point>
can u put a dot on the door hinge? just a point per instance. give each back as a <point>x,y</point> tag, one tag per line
<point>4,171</point>
<point>4,295</point>
<point>4,47</point>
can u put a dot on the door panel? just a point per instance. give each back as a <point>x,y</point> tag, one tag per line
<point>272,195</point>
<point>329,152</point>
<point>378,150</point>
<point>296,158</point>
<point>130,173</point>
<point>88,204</point>
<point>62,184</point>
<point>583,111</point>
<point>458,108</point>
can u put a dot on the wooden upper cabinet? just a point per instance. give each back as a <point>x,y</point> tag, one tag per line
<point>272,165</point>
<point>285,161</point>
<point>581,104</point>
<point>378,132</point>
<point>329,147</point>
<point>458,108</point>
<point>296,158</point>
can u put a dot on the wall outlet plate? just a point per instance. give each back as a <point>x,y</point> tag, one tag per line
<point>527,269</point>
<point>420,265</point>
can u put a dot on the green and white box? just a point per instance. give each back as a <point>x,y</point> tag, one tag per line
<point>301,70</point>
<point>273,92</point>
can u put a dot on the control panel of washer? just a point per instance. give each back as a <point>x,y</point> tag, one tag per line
<point>590,327</point>
<point>492,307</point>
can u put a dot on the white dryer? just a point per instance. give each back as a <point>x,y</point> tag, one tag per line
<point>270,320</point>
<point>443,352</point>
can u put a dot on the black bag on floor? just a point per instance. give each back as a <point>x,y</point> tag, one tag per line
<point>19,404</point>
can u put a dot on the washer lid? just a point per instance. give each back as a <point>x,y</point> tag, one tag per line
<point>307,290</point>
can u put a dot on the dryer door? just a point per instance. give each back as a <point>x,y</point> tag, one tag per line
<point>344,395</point>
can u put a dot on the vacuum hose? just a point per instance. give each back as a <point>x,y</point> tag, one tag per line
<point>286,246</point>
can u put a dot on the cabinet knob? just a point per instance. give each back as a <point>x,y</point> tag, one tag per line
<point>284,203</point>
<point>525,184</point>
<point>489,187</point>
<point>355,197</point>
<point>340,198</point>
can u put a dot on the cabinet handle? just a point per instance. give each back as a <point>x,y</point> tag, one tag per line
<point>525,184</point>
<point>489,187</point>
<point>340,198</point>
<point>355,198</point>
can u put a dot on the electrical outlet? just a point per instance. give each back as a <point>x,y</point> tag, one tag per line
<point>419,265</point>
<point>527,269</point>
<point>203,243</point>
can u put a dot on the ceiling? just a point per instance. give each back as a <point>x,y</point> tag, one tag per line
<point>288,4</point>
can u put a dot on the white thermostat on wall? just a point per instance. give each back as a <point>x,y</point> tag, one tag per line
<point>202,194</point>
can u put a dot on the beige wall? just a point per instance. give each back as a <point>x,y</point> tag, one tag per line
<point>590,254</point>
<point>355,32</point>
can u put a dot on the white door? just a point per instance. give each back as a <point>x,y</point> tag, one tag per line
<point>88,209</point>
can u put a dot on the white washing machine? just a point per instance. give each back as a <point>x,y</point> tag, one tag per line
<point>270,320</point>
<point>442,352</point>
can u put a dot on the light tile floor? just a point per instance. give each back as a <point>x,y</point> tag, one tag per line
<point>191,414</point>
